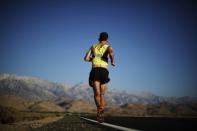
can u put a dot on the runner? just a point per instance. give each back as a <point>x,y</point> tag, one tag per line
<point>99,76</point>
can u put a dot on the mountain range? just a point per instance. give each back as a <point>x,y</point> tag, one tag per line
<point>80,95</point>
<point>38,89</point>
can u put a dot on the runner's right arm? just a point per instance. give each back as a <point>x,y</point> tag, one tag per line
<point>88,56</point>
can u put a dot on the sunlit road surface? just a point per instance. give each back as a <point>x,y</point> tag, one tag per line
<point>110,125</point>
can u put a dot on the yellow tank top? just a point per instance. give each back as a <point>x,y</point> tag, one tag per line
<point>98,55</point>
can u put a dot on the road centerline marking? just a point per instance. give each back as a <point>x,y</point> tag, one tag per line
<point>110,125</point>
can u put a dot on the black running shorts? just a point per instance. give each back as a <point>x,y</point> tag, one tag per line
<point>99,74</point>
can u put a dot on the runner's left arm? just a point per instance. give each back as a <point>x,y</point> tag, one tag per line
<point>111,55</point>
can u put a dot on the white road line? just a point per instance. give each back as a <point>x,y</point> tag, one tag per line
<point>110,125</point>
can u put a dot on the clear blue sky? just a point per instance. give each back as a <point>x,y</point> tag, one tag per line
<point>155,42</point>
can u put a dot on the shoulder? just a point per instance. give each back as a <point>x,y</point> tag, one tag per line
<point>94,45</point>
<point>110,47</point>
<point>106,47</point>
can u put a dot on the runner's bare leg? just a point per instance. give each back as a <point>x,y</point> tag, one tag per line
<point>97,93</point>
<point>102,92</point>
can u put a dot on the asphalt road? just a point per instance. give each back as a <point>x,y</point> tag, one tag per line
<point>154,123</point>
<point>74,123</point>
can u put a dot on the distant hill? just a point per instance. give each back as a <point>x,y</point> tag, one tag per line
<point>45,106</point>
<point>78,106</point>
<point>36,94</point>
<point>169,109</point>
<point>21,104</point>
<point>14,102</point>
